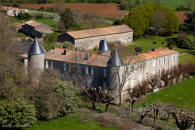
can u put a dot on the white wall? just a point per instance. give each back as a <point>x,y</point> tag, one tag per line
<point>91,42</point>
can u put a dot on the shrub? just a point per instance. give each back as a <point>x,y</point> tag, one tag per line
<point>186,42</point>
<point>17,114</point>
<point>49,41</point>
<point>138,49</point>
<point>170,43</point>
<point>68,45</point>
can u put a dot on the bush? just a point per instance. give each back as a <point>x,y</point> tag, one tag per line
<point>188,42</point>
<point>138,49</point>
<point>17,114</point>
<point>49,41</point>
<point>171,42</point>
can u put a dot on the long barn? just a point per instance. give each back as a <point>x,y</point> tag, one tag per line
<point>89,38</point>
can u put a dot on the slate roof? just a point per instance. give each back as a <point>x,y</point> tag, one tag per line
<point>36,48</point>
<point>23,47</point>
<point>40,27</point>
<point>103,46</point>
<point>99,31</point>
<point>115,60</point>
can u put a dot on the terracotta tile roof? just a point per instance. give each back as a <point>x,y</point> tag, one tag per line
<point>76,57</point>
<point>149,55</point>
<point>33,23</point>
<point>99,31</point>
<point>100,60</point>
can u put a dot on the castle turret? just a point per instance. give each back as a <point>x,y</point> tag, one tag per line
<point>104,48</point>
<point>36,56</point>
<point>114,73</point>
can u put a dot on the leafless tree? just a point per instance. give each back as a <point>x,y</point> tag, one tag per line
<point>156,108</point>
<point>93,94</point>
<point>153,81</point>
<point>11,72</point>
<point>144,113</point>
<point>183,118</point>
<point>132,99</point>
<point>107,96</point>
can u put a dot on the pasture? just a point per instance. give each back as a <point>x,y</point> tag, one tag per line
<point>181,95</point>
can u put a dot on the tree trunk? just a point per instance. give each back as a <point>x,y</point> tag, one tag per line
<point>107,105</point>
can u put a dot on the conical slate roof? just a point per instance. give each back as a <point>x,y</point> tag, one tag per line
<point>115,60</point>
<point>103,46</point>
<point>36,48</point>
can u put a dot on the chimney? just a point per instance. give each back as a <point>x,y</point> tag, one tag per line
<point>54,47</point>
<point>153,49</point>
<point>64,52</point>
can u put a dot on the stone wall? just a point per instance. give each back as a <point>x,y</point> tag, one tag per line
<point>91,42</point>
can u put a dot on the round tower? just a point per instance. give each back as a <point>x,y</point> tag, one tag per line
<point>104,48</point>
<point>36,56</point>
<point>114,72</point>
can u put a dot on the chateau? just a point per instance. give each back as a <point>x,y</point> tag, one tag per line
<point>102,69</point>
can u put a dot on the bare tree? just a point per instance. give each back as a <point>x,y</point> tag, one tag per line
<point>183,118</point>
<point>153,81</point>
<point>107,97</point>
<point>156,108</point>
<point>144,113</point>
<point>93,94</point>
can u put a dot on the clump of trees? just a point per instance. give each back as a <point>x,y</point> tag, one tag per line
<point>148,16</point>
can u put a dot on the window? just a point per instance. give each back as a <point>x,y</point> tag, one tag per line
<point>174,58</point>
<point>159,72</point>
<point>69,67</point>
<point>64,67</point>
<point>46,64</point>
<point>105,73</point>
<point>86,70</point>
<point>92,70</point>
<point>51,64</point>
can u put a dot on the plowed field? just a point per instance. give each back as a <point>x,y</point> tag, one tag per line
<point>100,10</point>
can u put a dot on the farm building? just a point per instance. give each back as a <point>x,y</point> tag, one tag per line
<point>35,29</point>
<point>89,38</point>
<point>11,11</point>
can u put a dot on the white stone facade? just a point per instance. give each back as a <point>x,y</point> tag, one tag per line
<point>91,42</point>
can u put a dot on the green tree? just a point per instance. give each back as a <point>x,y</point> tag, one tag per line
<point>17,114</point>
<point>49,41</point>
<point>141,18</point>
<point>66,19</point>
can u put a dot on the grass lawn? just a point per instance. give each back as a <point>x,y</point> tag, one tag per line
<point>71,122</point>
<point>173,4</point>
<point>147,44</point>
<point>181,95</point>
<point>187,58</point>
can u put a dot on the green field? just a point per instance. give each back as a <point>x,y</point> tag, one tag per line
<point>71,122</point>
<point>187,58</point>
<point>181,95</point>
<point>147,44</point>
<point>173,4</point>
